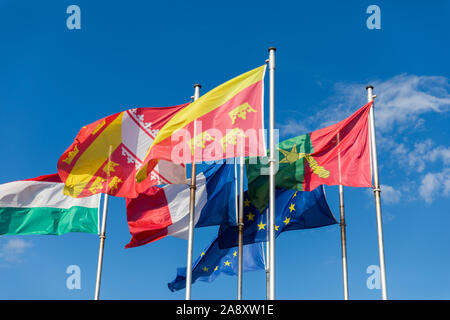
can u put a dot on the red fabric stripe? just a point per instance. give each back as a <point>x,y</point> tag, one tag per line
<point>47,178</point>
<point>148,217</point>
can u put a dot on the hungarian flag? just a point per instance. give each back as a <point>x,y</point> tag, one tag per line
<point>226,122</point>
<point>336,155</point>
<point>38,206</point>
<point>106,154</point>
<point>160,212</point>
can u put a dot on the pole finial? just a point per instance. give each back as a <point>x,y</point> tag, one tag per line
<point>369,87</point>
<point>197,85</point>
<point>272,48</point>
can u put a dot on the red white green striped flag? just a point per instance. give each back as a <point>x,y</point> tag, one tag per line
<point>38,206</point>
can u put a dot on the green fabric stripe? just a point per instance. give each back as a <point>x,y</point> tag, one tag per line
<point>42,220</point>
<point>290,175</point>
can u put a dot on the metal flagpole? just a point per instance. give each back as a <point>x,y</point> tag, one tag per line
<point>236,191</point>
<point>267,261</point>
<point>102,237</point>
<point>98,214</point>
<point>192,187</point>
<point>241,225</point>
<point>342,224</point>
<point>377,192</point>
<point>236,202</point>
<point>343,242</point>
<point>271,225</point>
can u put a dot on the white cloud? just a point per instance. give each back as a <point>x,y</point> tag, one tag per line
<point>389,194</point>
<point>293,128</point>
<point>400,100</point>
<point>13,249</point>
<point>435,184</point>
<point>423,153</point>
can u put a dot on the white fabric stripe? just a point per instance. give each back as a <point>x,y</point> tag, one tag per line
<point>178,198</point>
<point>134,138</point>
<point>171,172</point>
<point>30,194</point>
<point>138,142</point>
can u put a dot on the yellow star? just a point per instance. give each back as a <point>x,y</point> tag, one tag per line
<point>206,269</point>
<point>276,227</point>
<point>261,226</point>
<point>292,207</point>
<point>247,203</point>
<point>295,194</point>
<point>234,253</point>
<point>287,220</point>
<point>291,156</point>
<point>202,254</point>
<point>250,217</point>
<point>217,267</point>
<point>227,263</point>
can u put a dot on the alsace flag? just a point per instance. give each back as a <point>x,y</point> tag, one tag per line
<point>226,122</point>
<point>165,211</point>
<point>335,155</point>
<point>106,154</point>
<point>38,206</point>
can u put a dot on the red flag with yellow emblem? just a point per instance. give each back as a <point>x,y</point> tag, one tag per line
<point>226,122</point>
<point>106,154</point>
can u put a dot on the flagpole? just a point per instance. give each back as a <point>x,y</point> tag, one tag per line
<point>102,236</point>
<point>267,261</point>
<point>241,225</point>
<point>343,242</point>
<point>377,193</point>
<point>192,187</point>
<point>236,203</point>
<point>236,191</point>
<point>98,214</point>
<point>342,224</point>
<point>272,173</point>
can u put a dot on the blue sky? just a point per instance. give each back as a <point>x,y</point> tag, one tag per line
<point>54,80</point>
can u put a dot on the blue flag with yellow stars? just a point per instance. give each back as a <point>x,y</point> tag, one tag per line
<point>214,261</point>
<point>294,210</point>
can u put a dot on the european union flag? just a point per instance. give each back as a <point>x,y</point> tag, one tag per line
<point>294,210</point>
<point>214,261</point>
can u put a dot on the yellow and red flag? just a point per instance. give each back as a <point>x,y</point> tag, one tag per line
<point>106,154</point>
<point>226,122</point>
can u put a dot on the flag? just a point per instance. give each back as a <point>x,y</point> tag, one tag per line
<point>88,168</point>
<point>294,210</point>
<point>165,211</point>
<point>226,122</point>
<point>335,155</point>
<point>213,261</point>
<point>38,206</point>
